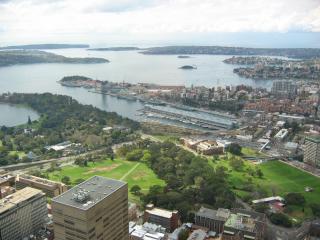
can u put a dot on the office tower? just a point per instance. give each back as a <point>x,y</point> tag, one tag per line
<point>22,213</point>
<point>96,209</point>
<point>312,151</point>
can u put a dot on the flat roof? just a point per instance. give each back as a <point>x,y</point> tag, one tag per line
<point>240,222</point>
<point>90,192</point>
<point>14,199</point>
<point>315,139</point>
<point>160,212</point>
<point>42,181</point>
<point>220,214</point>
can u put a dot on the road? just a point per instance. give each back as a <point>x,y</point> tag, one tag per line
<point>20,166</point>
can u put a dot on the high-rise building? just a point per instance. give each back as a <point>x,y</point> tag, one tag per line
<point>284,88</point>
<point>22,213</point>
<point>50,188</point>
<point>312,151</point>
<point>96,209</point>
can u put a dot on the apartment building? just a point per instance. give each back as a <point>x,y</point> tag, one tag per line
<point>50,188</point>
<point>283,88</point>
<point>312,151</point>
<point>170,220</point>
<point>22,213</point>
<point>96,209</point>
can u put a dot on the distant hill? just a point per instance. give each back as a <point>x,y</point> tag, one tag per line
<point>114,49</point>
<point>46,46</point>
<point>15,57</point>
<point>303,53</point>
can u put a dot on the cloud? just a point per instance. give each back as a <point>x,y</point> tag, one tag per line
<point>98,20</point>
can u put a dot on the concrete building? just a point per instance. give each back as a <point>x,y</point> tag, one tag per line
<point>96,209</point>
<point>147,231</point>
<point>210,148</point>
<point>212,219</point>
<point>168,219</point>
<point>312,151</point>
<point>6,179</point>
<point>50,188</point>
<point>284,88</point>
<point>243,224</point>
<point>198,235</point>
<point>22,213</point>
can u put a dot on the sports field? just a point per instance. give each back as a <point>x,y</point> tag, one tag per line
<point>135,173</point>
<point>289,179</point>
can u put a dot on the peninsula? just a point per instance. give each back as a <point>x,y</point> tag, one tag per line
<point>14,57</point>
<point>275,68</point>
<point>45,46</point>
<point>302,53</point>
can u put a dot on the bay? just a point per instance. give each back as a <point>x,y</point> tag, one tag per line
<point>128,66</point>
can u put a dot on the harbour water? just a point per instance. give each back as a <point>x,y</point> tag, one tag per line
<point>128,66</point>
<point>12,115</point>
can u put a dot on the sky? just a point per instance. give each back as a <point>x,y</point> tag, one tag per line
<point>257,23</point>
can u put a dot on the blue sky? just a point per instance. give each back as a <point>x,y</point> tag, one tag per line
<point>291,23</point>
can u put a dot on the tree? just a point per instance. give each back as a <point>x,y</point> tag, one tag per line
<point>29,120</point>
<point>259,173</point>
<point>183,234</point>
<point>281,219</point>
<point>135,189</point>
<point>66,180</point>
<point>78,181</point>
<point>262,208</point>
<point>295,199</point>
<point>234,148</point>
<point>134,155</point>
<point>236,164</point>
<point>315,207</point>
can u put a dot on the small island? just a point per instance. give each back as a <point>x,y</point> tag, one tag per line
<point>79,81</point>
<point>188,67</point>
<point>115,49</point>
<point>45,46</point>
<point>183,56</point>
<point>15,57</point>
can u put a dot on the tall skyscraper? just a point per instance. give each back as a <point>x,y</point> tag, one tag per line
<point>96,209</point>
<point>22,213</point>
<point>312,151</point>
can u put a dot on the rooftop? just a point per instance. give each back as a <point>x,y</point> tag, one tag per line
<point>39,180</point>
<point>315,139</point>
<point>90,192</point>
<point>241,222</point>
<point>14,199</point>
<point>220,214</point>
<point>160,212</point>
<point>198,235</point>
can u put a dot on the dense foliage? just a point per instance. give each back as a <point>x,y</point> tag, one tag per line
<point>190,179</point>
<point>280,219</point>
<point>62,119</point>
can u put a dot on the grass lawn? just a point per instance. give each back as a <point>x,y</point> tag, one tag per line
<point>20,154</point>
<point>289,179</point>
<point>134,173</point>
<point>251,152</point>
<point>278,177</point>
